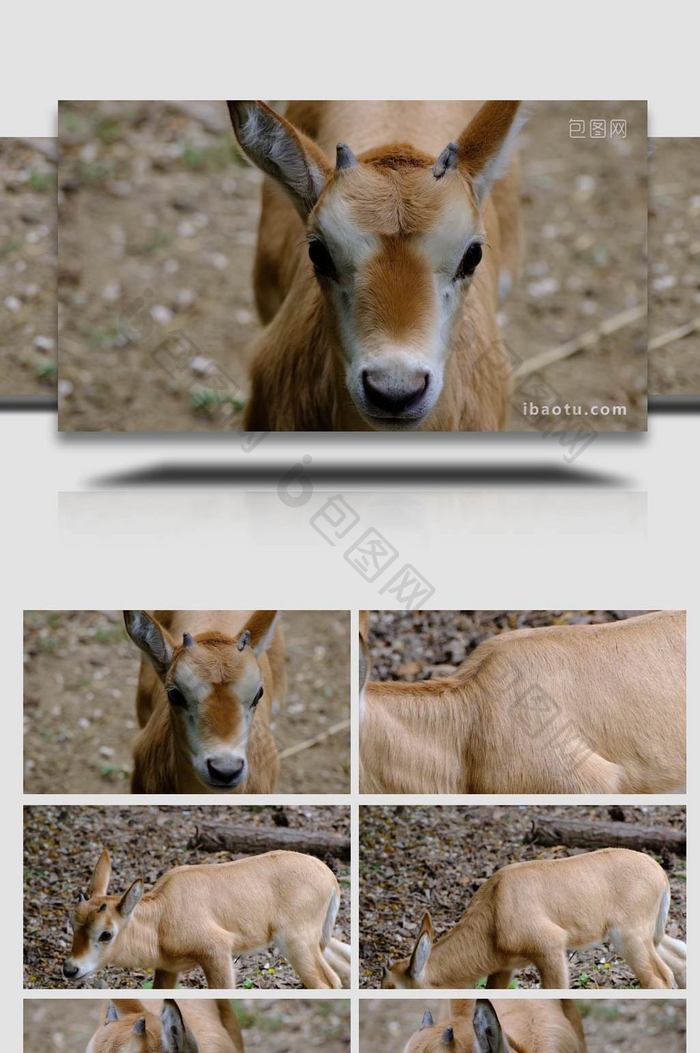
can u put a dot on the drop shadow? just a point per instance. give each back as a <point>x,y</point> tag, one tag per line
<point>671,405</point>
<point>386,473</point>
<point>29,403</point>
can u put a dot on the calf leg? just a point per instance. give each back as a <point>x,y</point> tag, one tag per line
<point>673,953</point>
<point>164,978</point>
<point>649,968</point>
<point>499,979</point>
<point>553,967</point>
<point>338,963</point>
<point>311,967</point>
<point>219,971</point>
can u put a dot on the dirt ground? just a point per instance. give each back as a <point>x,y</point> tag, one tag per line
<point>421,645</point>
<point>622,1026</point>
<point>421,858</point>
<point>80,673</point>
<point>27,267</point>
<point>674,264</point>
<point>62,846</point>
<point>280,1026</point>
<point>158,216</point>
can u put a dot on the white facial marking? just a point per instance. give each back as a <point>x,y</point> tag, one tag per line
<point>194,689</point>
<point>396,384</point>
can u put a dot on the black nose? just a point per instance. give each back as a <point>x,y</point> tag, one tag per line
<point>70,971</point>
<point>386,394</point>
<point>225,774</point>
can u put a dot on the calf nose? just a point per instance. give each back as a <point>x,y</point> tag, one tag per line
<point>70,971</point>
<point>393,395</point>
<point>225,772</point>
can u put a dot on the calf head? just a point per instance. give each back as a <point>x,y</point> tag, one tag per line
<point>213,683</point>
<point>130,1028</point>
<point>97,921</point>
<point>395,238</point>
<point>479,1032</point>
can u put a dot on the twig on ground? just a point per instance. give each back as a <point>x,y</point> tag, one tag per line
<point>580,343</point>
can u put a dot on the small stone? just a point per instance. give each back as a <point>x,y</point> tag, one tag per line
<point>161,314</point>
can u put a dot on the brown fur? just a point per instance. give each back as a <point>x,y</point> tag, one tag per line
<point>211,1023</point>
<point>560,709</point>
<point>162,763</point>
<point>534,912</point>
<point>297,372</point>
<point>528,1025</point>
<point>203,915</point>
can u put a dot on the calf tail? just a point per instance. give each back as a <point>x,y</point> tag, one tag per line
<point>662,916</point>
<point>329,920</point>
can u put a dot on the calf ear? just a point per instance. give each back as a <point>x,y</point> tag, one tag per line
<point>259,631</point>
<point>422,948</point>
<point>486,145</point>
<point>487,1029</point>
<point>274,145</point>
<point>99,883</point>
<point>173,1031</point>
<point>130,898</point>
<point>150,636</point>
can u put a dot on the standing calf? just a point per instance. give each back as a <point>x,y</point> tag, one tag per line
<point>204,700</point>
<point>561,709</point>
<point>379,276</point>
<point>502,1027</point>
<point>203,915</point>
<point>202,1026</point>
<point>532,913</point>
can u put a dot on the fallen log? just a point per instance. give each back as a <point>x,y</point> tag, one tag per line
<point>249,840</point>
<point>583,833</point>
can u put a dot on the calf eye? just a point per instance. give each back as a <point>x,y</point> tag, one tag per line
<point>469,262</point>
<point>176,697</point>
<point>257,698</point>
<point>321,259</point>
<point>105,937</point>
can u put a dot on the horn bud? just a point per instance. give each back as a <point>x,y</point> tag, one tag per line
<point>447,160</point>
<point>344,158</point>
<point>244,640</point>
<point>112,1014</point>
<point>427,1020</point>
<point>448,1036</point>
<point>139,1027</point>
<point>187,640</point>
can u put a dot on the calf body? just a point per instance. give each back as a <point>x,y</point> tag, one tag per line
<point>534,912</point>
<point>204,915</point>
<point>559,709</point>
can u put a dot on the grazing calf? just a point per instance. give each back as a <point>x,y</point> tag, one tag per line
<point>513,1026</point>
<point>560,709</point>
<point>379,276</point>
<point>534,912</point>
<point>201,1026</point>
<point>206,687</point>
<point>203,915</point>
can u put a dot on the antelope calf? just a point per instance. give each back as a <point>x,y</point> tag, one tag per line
<point>561,709</point>
<point>379,276</point>
<point>207,683</point>
<point>534,912</point>
<point>203,915</point>
<point>513,1026</point>
<point>201,1026</point>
